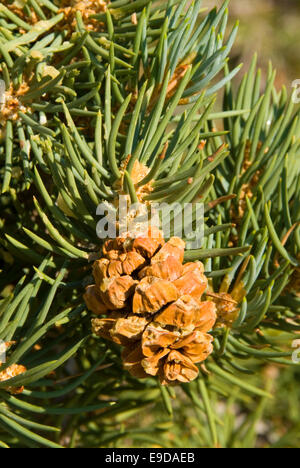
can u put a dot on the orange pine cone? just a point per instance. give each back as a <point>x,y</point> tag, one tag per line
<point>294,283</point>
<point>227,309</point>
<point>151,305</point>
<point>9,373</point>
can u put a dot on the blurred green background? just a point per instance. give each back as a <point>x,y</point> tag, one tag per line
<point>272,29</point>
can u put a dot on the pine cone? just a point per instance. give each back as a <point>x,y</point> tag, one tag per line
<point>150,303</point>
<point>9,373</point>
<point>294,283</point>
<point>227,309</point>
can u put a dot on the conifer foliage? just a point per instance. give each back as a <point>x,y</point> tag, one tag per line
<point>91,90</point>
